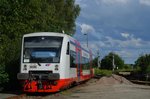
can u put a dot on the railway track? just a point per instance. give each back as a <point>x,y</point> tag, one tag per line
<point>141,82</point>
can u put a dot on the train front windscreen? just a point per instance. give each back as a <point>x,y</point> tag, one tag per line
<point>42,49</point>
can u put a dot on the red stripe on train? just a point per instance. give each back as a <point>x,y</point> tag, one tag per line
<point>49,87</point>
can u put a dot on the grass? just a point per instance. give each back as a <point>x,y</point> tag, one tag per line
<point>102,72</point>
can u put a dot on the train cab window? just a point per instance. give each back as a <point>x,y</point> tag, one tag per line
<point>68,48</point>
<point>42,49</point>
<point>72,59</point>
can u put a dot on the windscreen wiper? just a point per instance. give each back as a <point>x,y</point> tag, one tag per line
<point>38,63</point>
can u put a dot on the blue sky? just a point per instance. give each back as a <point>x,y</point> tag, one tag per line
<point>121,26</point>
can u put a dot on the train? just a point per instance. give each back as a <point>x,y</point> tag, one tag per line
<point>51,62</point>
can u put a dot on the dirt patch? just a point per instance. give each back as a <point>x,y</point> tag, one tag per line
<point>113,79</point>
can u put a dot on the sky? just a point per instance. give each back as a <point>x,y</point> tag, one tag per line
<point>119,26</point>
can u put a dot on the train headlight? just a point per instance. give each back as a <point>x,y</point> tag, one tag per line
<point>25,67</point>
<point>56,67</point>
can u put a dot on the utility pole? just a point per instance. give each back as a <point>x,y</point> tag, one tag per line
<point>98,60</point>
<point>113,63</point>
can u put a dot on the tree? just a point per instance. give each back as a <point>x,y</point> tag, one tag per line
<point>107,61</point>
<point>94,62</point>
<point>3,74</point>
<point>144,63</point>
<point>19,17</point>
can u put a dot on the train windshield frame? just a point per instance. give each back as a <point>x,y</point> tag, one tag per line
<point>42,49</point>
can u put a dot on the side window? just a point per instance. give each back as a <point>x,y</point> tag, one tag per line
<point>68,48</point>
<point>72,59</point>
<point>85,63</point>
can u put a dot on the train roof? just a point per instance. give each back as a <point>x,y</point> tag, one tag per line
<point>45,34</point>
<point>50,34</point>
<point>56,34</point>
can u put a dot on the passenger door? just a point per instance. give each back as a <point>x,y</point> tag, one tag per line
<point>78,64</point>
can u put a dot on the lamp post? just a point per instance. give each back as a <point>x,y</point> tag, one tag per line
<point>86,38</point>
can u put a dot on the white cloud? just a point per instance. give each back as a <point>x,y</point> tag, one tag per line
<point>145,2</point>
<point>115,1</point>
<point>94,45</point>
<point>120,15</point>
<point>125,35</point>
<point>130,42</point>
<point>85,28</point>
<point>124,53</point>
<point>134,41</point>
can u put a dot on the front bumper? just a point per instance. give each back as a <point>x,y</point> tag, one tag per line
<point>34,76</point>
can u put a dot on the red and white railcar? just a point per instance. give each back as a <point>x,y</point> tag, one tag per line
<point>53,61</point>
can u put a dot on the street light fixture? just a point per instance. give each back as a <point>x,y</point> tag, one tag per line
<point>86,38</point>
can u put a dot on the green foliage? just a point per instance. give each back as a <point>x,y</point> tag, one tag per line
<point>3,74</point>
<point>107,61</point>
<point>143,62</point>
<point>25,16</point>
<point>127,67</point>
<point>137,68</point>
<point>3,77</point>
<point>19,17</point>
<point>94,62</point>
<point>148,69</point>
<point>102,72</point>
